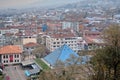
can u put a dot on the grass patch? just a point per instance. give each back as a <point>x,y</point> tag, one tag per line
<point>42,64</point>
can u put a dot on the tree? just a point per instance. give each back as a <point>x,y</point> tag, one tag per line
<point>40,51</point>
<point>68,70</point>
<point>107,60</point>
<point>39,39</point>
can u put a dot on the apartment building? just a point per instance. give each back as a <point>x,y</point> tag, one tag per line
<point>92,43</point>
<point>69,24</point>
<point>56,40</point>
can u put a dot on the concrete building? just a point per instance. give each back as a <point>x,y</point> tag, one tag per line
<point>92,43</point>
<point>55,41</point>
<point>28,40</point>
<point>72,25</point>
<point>10,54</point>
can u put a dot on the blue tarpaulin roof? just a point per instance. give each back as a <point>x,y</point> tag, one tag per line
<point>31,72</point>
<point>27,73</point>
<point>44,27</point>
<point>61,54</point>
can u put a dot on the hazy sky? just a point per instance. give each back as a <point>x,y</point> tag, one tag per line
<point>31,3</point>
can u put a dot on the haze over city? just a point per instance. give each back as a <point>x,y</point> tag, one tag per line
<point>32,3</point>
<point>59,39</point>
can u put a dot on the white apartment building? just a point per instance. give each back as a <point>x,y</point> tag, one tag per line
<point>69,24</point>
<point>55,41</point>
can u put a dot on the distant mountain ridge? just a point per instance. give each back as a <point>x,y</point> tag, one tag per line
<point>86,3</point>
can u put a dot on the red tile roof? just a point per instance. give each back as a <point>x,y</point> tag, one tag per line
<point>88,40</point>
<point>94,39</point>
<point>66,33</point>
<point>31,44</point>
<point>11,49</point>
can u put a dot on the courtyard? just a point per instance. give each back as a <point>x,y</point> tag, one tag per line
<point>14,72</point>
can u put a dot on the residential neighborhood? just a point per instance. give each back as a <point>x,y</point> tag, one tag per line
<point>35,41</point>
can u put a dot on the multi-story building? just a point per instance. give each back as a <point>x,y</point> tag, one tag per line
<point>55,41</point>
<point>92,43</point>
<point>68,24</point>
<point>10,54</point>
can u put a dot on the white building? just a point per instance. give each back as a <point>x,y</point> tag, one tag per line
<point>72,25</point>
<point>10,54</point>
<point>55,41</point>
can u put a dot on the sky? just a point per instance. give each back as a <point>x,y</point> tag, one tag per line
<point>32,3</point>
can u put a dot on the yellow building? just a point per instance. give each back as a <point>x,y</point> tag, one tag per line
<point>28,40</point>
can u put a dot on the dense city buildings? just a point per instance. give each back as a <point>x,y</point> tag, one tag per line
<point>28,36</point>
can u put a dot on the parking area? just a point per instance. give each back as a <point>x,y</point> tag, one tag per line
<point>15,72</point>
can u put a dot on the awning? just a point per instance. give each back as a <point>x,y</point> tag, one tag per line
<point>28,62</point>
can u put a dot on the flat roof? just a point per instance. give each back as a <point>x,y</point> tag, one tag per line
<point>34,71</point>
<point>28,62</point>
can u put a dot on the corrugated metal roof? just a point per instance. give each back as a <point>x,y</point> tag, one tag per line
<point>28,62</point>
<point>61,54</point>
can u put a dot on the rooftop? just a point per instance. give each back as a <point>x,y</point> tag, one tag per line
<point>66,33</point>
<point>10,49</point>
<point>61,35</point>
<point>31,44</point>
<point>60,54</point>
<point>94,40</point>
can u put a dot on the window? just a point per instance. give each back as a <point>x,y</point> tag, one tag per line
<point>54,43</point>
<point>17,56</point>
<point>4,61</point>
<point>17,60</point>
<point>62,42</point>
<point>3,56</point>
<point>6,56</point>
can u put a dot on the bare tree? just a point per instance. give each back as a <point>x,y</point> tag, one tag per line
<point>107,60</point>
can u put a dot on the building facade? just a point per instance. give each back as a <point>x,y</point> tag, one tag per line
<point>57,40</point>
<point>73,25</point>
<point>10,55</point>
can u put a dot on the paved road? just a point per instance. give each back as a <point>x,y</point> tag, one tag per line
<point>15,72</point>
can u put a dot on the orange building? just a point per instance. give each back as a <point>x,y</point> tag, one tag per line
<point>10,54</point>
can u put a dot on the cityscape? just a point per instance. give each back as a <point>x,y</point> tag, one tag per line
<point>64,40</point>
